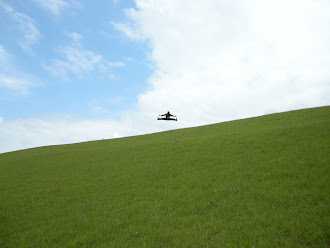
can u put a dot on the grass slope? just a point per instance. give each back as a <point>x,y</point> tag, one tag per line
<point>258,182</point>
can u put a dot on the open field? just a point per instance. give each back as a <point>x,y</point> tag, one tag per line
<point>257,182</point>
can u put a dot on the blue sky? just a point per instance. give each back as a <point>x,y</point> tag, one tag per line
<point>74,70</point>
<point>54,84</point>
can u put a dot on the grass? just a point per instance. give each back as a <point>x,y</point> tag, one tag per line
<point>257,182</point>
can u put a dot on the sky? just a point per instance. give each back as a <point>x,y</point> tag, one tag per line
<point>79,70</point>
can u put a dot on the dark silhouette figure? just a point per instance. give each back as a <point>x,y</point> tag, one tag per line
<point>167,117</point>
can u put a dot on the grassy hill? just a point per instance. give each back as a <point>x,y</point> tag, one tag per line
<point>257,182</point>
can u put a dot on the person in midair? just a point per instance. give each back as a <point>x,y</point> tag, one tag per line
<point>168,117</point>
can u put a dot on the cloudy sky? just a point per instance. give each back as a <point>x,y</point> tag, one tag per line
<point>79,70</point>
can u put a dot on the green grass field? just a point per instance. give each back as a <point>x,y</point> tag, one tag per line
<point>257,182</point>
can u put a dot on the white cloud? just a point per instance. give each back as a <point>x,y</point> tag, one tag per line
<point>115,1</point>
<point>4,56</point>
<point>53,6</point>
<point>16,84</point>
<point>78,61</point>
<point>76,38</point>
<point>31,33</point>
<point>131,28</point>
<point>27,26</point>
<point>220,60</point>
<point>116,135</point>
<point>128,30</point>
<point>24,133</point>
<point>115,64</point>
<point>11,78</point>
